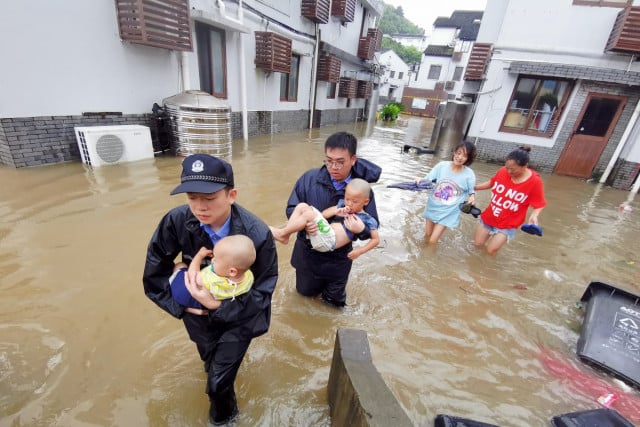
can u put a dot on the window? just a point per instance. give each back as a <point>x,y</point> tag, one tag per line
<point>434,72</point>
<point>610,3</point>
<point>212,61</point>
<point>331,90</point>
<point>289,82</point>
<point>392,74</point>
<point>400,74</point>
<point>457,74</point>
<point>536,106</point>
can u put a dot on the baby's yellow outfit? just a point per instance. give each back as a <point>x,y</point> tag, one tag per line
<point>223,288</point>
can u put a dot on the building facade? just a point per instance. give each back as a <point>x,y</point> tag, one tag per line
<point>394,76</point>
<point>278,65</point>
<point>560,76</point>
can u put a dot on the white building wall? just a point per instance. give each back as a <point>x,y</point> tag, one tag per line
<point>65,58</point>
<point>419,42</point>
<point>64,66</point>
<point>392,62</point>
<point>443,36</point>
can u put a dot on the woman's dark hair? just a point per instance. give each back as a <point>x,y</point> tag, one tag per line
<point>520,156</point>
<point>342,140</point>
<point>469,148</point>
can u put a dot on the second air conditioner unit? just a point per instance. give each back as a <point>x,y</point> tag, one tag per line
<point>103,145</point>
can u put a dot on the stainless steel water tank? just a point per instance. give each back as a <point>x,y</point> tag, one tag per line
<point>199,123</point>
<point>455,118</point>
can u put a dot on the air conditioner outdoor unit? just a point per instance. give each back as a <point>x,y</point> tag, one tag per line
<point>103,145</point>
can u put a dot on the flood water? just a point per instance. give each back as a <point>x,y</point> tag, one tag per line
<point>451,329</point>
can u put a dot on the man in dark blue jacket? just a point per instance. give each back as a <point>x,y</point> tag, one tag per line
<point>222,336</point>
<point>327,273</point>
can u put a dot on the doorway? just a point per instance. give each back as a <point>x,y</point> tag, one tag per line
<point>591,134</point>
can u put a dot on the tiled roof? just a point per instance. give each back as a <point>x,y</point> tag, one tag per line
<point>437,50</point>
<point>468,21</point>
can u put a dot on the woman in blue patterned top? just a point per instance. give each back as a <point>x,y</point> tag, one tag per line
<point>453,184</point>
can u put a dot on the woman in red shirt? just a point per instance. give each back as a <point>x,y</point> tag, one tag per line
<point>514,188</point>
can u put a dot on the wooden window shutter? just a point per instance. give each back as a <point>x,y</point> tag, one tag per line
<point>329,68</point>
<point>344,9</point>
<point>348,88</point>
<point>363,89</point>
<point>273,52</point>
<point>158,23</point>
<point>376,36</point>
<point>316,10</point>
<point>366,48</point>
<point>625,35</point>
<point>478,60</point>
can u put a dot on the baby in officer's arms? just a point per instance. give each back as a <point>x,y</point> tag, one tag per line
<point>227,277</point>
<point>355,222</point>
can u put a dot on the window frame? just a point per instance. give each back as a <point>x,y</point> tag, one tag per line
<point>432,67</point>
<point>531,116</point>
<point>205,56</point>
<point>289,79</point>
<point>457,74</point>
<point>332,89</point>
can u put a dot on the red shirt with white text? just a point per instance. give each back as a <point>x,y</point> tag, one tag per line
<point>509,201</point>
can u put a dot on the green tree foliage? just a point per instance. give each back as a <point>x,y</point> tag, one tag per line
<point>409,54</point>
<point>394,22</point>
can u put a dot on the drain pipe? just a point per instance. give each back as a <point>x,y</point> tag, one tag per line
<point>623,141</point>
<point>243,80</point>
<point>314,73</point>
<point>243,68</point>
<point>184,70</point>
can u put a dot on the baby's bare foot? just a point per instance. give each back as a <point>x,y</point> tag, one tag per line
<point>279,235</point>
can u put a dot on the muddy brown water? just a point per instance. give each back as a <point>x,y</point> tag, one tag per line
<point>451,329</point>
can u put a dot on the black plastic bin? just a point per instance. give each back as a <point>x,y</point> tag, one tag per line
<point>592,418</point>
<point>610,334</point>
<point>449,421</point>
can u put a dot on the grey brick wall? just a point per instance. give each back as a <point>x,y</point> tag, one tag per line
<point>5,150</point>
<point>605,75</point>
<point>545,159</point>
<point>623,174</point>
<point>286,121</point>
<point>268,122</point>
<point>335,117</point>
<point>35,141</point>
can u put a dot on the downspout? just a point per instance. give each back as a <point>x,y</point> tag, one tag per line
<point>243,80</point>
<point>636,186</point>
<point>243,71</point>
<point>184,70</point>
<point>312,96</point>
<point>623,141</point>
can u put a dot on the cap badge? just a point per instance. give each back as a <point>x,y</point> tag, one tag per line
<point>197,166</point>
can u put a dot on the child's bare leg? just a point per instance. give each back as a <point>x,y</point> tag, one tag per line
<point>301,215</point>
<point>428,228</point>
<point>437,231</point>
<point>341,235</point>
